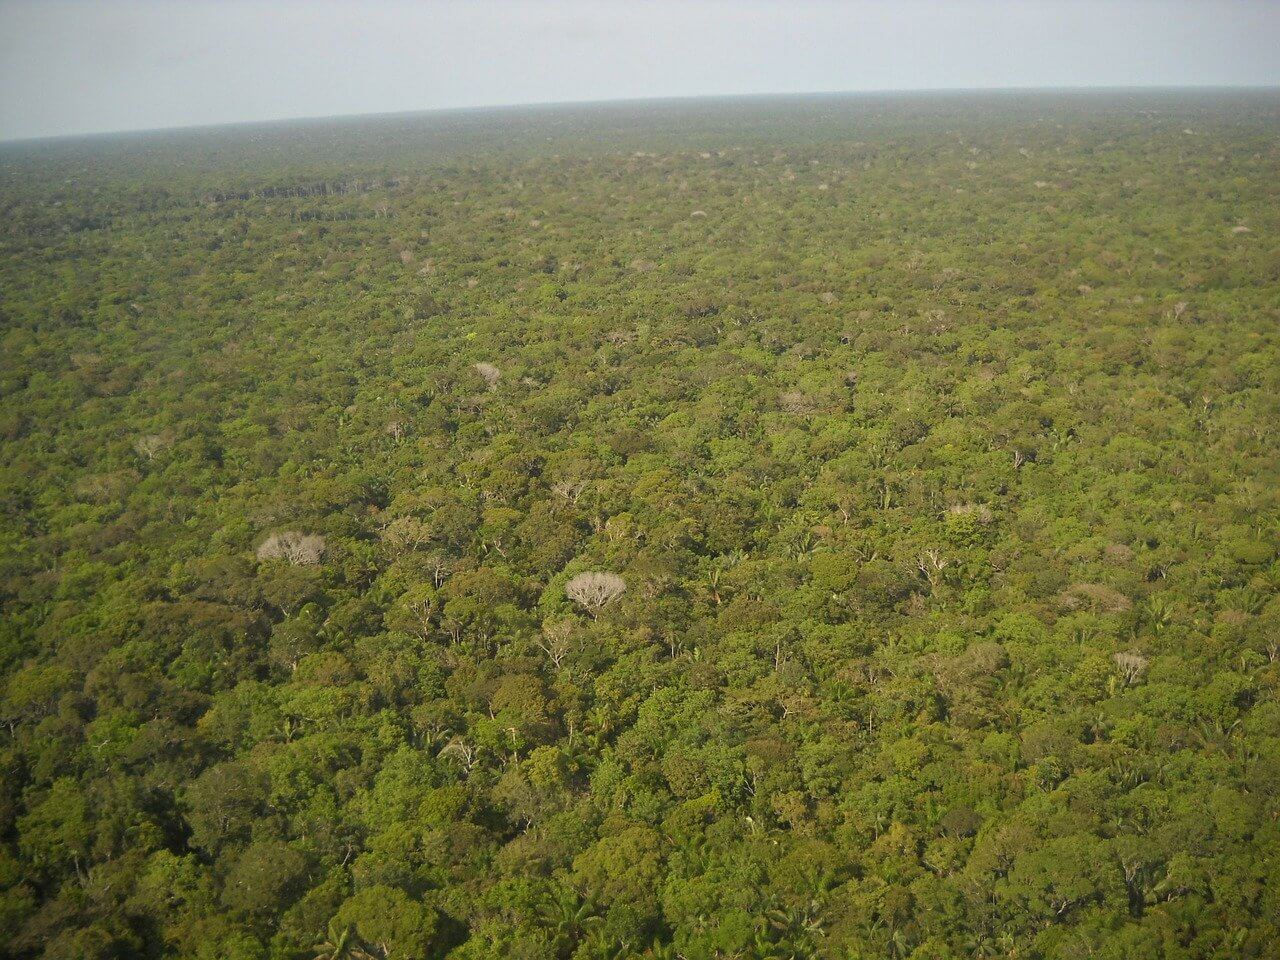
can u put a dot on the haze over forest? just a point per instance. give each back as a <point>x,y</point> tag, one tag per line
<point>87,66</point>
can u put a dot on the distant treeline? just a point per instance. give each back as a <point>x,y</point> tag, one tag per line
<point>324,188</point>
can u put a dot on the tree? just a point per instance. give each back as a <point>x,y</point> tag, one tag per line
<point>265,877</point>
<point>488,373</point>
<point>293,546</point>
<point>595,590</point>
<point>386,923</point>
<point>1063,875</point>
<point>223,804</point>
<point>1131,666</point>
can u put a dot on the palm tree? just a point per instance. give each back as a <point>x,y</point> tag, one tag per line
<point>599,945</point>
<point>345,944</point>
<point>572,916</point>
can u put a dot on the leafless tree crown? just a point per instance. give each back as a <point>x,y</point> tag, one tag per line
<point>595,590</point>
<point>300,549</point>
<point>1131,666</point>
<point>149,445</point>
<point>488,373</point>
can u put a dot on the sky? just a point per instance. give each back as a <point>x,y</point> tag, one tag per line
<point>83,66</point>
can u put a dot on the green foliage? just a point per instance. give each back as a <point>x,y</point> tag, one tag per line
<point>922,451</point>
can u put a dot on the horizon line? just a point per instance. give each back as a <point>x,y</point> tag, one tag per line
<point>620,101</point>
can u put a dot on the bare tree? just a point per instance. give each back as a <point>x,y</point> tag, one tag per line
<point>558,640</point>
<point>420,606</point>
<point>464,751</point>
<point>570,490</point>
<point>1132,666</point>
<point>440,567</point>
<point>595,590</point>
<point>488,373</point>
<point>149,445</point>
<point>795,402</point>
<point>406,533</point>
<point>979,511</point>
<point>294,546</point>
<point>931,564</point>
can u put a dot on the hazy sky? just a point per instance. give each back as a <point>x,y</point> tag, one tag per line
<point>71,66</point>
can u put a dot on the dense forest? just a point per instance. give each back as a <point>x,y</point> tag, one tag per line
<point>830,527</point>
